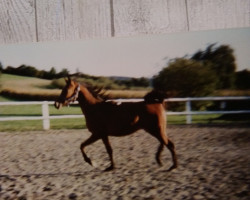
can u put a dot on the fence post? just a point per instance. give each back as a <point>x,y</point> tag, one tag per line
<point>45,112</point>
<point>188,110</point>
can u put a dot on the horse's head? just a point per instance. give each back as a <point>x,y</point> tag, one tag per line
<point>69,94</point>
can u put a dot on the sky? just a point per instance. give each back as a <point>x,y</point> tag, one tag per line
<point>138,56</point>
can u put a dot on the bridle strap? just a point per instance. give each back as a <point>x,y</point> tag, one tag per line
<point>74,96</point>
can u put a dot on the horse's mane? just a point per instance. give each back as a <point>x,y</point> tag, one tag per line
<point>154,96</point>
<point>98,92</point>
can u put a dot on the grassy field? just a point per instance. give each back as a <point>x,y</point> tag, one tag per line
<point>36,110</point>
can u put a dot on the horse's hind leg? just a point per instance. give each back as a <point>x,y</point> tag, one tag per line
<point>164,140</point>
<point>89,141</point>
<point>110,152</point>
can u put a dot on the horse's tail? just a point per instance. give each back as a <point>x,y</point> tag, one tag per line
<point>155,96</point>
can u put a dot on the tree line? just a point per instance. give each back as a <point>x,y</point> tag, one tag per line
<point>26,70</point>
<point>100,81</point>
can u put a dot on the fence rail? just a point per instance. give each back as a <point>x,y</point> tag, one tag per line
<point>45,117</point>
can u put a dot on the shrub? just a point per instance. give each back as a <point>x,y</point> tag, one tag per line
<point>186,78</point>
<point>222,61</point>
<point>243,79</point>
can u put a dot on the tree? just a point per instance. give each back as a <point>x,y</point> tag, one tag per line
<point>222,61</point>
<point>243,79</point>
<point>140,82</point>
<point>186,78</point>
<point>49,74</point>
<point>1,67</point>
<point>25,70</point>
<point>63,73</point>
<point>52,72</point>
<point>10,70</point>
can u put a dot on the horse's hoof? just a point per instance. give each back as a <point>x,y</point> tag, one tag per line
<point>171,168</point>
<point>88,161</point>
<point>109,169</point>
<point>159,163</point>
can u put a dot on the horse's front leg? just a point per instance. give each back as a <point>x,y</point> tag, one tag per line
<point>110,152</point>
<point>89,141</point>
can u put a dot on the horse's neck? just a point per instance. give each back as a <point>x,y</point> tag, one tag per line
<point>86,99</point>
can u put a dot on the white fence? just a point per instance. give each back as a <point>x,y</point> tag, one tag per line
<point>45,117</point>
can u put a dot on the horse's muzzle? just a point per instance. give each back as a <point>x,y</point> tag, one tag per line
<point>58,105</point>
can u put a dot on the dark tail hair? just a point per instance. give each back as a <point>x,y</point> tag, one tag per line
<point>155,96</point>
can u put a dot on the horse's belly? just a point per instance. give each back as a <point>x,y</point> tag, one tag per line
<point>123,127</point>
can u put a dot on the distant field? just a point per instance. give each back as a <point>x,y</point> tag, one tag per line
<point>21,85</point>
<point>26,85</point>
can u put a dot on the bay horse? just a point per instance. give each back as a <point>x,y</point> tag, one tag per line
<point>108,118</point>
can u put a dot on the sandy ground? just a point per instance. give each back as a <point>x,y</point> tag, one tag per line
<point>214,163</point>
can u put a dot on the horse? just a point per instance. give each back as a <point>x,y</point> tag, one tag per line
<point>106,118</point>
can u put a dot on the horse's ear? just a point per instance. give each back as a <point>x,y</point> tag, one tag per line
<point>68,79</point>
<point>65,79</point>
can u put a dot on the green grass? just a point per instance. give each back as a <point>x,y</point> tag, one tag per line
<point>36,110</point>
<point>4,99</point>
<point>21,110</point>
<point>21,125</point>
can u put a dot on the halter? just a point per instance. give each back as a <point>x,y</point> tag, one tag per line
<point>74,96</point>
